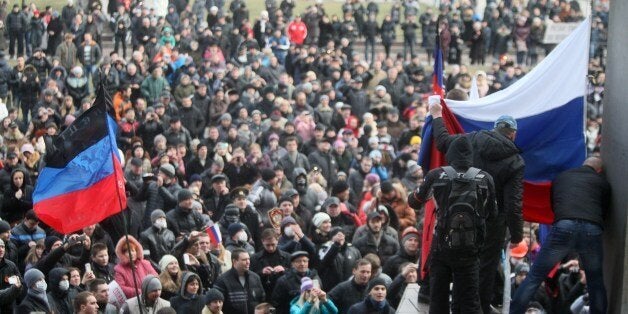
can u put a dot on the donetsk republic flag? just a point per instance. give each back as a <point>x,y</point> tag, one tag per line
<point>82,182</point>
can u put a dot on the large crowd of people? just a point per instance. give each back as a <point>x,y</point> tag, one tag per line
<point>297,144</point>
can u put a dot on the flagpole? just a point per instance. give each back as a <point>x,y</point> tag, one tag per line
<point>124,215</point>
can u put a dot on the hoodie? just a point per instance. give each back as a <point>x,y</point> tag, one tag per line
<point>185,302</point>
<point>59,299</point>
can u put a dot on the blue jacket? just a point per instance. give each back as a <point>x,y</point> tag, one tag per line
<point>325,308</point>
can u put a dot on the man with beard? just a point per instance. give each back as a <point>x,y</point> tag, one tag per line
<point>270,263</point>
<point>183,219</point>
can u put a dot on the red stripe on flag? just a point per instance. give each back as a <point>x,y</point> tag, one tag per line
<point>537,205</point>
<point>73,211</point>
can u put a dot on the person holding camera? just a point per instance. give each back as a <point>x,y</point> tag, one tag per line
<point>11,288</point>
<point>56,253</point>
<point>312,300</point>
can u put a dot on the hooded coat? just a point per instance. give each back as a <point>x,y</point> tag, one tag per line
<point>133,307</point>
<point>499,157</point>
<point>185,302</point>
<point>124,276</point>
<point>60,300</point>
<point>13,208</point>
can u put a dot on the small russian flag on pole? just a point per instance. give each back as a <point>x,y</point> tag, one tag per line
<point>214,232</point>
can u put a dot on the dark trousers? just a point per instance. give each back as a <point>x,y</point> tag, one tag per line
<point>369,48</point>
<point>463,271</point>
<point>19,37</point>
<point>567,236</point>
<point>489,259</point>
<point>120,39</point>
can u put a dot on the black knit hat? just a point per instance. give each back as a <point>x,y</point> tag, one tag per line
<point>377,281</point>
<point>214,295</point>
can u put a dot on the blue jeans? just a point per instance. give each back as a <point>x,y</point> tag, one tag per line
<point>567,236</point>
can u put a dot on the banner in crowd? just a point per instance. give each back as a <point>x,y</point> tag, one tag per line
<point>82,182</point>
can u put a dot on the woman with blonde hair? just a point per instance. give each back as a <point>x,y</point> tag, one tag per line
<point>170,276</point>
<point>315,176</point>
<point>312,300</point>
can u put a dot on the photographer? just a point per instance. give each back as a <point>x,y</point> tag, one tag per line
<point>312,300</point>
<point>56,253</point>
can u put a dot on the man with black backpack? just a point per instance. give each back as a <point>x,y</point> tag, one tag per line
<point>495,152</point>
<point>466,198</point>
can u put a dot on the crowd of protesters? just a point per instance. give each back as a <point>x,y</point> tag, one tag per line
<point>299,146</point>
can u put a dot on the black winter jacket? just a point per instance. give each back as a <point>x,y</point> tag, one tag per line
<point>8,293</point>
<point>240,299</point>
<point>346,294</point>
<point>158,241</point>
<point>288,287</point>
<point>499,156</point>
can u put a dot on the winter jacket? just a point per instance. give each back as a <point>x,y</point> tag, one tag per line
<point>246,174</point>
<point>581,193</point>
<point>288,287</point>
<point>60,301</point>
<point>307,307</point>
<point>327,165</point>
<point>94,57</point>
<point>263,197</point>
<point>346,294</point>
<point>185,303</point>
<point>124,276</point>
<point>387,245</point>
<point>391,268</point>
<point>240,299</point>
<point>66,52</point>
<point>8,293</point>
<point>499,156</point>
<point>288,166</point>
<point>192,119</point>
<point>152,88</point>
<point>184,221</point>
<point>132,305</point>
<point>262,259</point>
<point>336,263</point>
<point>158,241</point>
<point>368,307</point>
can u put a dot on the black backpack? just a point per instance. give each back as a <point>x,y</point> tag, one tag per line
<point>462,222</point>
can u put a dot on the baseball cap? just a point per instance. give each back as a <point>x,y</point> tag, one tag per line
<point>506,121</point>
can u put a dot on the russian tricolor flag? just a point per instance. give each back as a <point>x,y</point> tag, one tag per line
<point>548,104</point>
<point>82,182</point>
<point>214,232</point>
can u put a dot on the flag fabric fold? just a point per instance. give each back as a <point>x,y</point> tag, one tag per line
<point>213,230</point>
<point>82,182</point>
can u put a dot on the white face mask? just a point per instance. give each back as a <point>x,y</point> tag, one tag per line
<point>242,236</point>
<point>160,223</point>
<point>41,286</point>
<point>289,232</point>
<point>64,285</point>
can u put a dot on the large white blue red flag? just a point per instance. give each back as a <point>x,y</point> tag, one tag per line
<point>548,104</point>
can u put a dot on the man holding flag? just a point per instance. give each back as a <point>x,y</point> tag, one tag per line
<point>495,152</point>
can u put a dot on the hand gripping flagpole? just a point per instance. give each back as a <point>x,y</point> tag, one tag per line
<point>101,89</point>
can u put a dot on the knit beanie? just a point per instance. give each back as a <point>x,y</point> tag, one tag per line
<point>339,187</point>
<point>4,226</point>
<point>183,195</point>
<point>214,295</point>
<point>32,276</point>
<point>156,214</point>
<point>151,283</point>
<point>165,261</point>
<point>320,218</point>
<point>410,232</point>
<point>306,284</point>
<point>372,178</point>
<point>50,241</point>
<point>287,221</point>
<point>377,281</point>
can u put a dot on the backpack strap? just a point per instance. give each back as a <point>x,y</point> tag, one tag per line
<point>471,173</point>
<point>451,172</point>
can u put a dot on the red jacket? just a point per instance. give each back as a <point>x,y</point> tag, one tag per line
<point>297,31</point>
<point>123,275</point>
